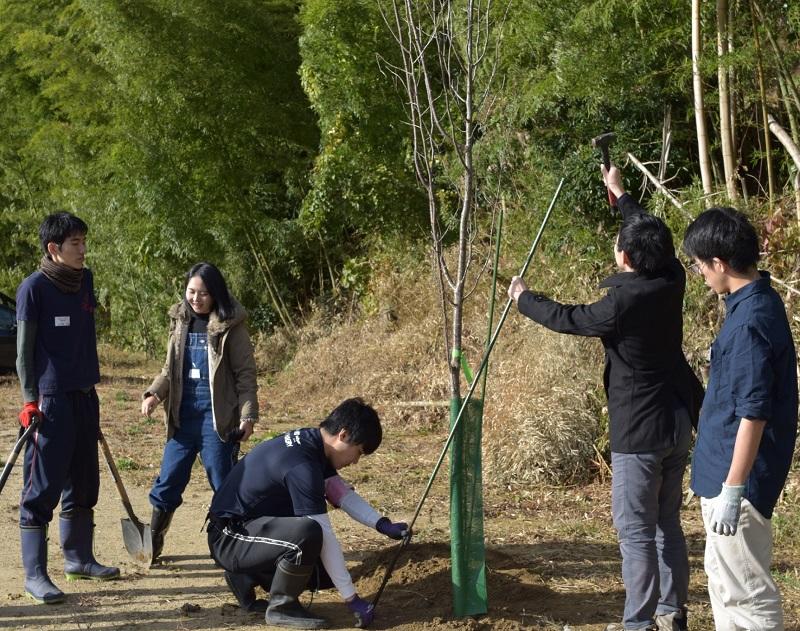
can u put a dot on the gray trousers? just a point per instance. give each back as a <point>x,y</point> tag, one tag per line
<point>646,495</point>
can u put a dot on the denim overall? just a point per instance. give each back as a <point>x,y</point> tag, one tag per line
<point>196,433</point>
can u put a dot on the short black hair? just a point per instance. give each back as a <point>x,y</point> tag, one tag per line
<point>723,233</point>
<point>215,284</point>
<point>647,241</point>
<point>58,227</point>
<point>361,422</point>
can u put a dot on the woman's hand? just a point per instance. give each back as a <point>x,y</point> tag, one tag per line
<point>149,404</point>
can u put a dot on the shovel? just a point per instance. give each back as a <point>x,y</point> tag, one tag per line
<point>137,536</point>
<point>12,458</point>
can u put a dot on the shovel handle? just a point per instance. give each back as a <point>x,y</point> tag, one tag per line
<point>12,458</point>
<point>126,502</point>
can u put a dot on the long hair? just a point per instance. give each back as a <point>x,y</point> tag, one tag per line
<point>215,284</point>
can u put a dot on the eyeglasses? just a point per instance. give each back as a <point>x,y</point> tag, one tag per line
<point>696,268</point>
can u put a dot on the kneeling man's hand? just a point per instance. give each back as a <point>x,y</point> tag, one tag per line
<point>393,530</point>
<point>363,611</point>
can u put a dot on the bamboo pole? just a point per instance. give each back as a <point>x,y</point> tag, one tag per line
<point>663,189</point>
<point>784,71</point>
<point>725,130</point>
<point>787,105</point>
<point>794,152</point>
<point>703,153</point>
<point>763,96</point>
<point>282,314</point>
<point>493,293</point>
<point>784,284</point>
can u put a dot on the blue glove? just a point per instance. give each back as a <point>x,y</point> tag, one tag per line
<point>393,530</point>
<point>363,611</point>
<point>725,510</point>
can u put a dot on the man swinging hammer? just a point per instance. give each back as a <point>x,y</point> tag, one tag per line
<point>653,401</point>
<point>268,522</point>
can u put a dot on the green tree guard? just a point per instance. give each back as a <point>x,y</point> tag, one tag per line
<point>467,552</point>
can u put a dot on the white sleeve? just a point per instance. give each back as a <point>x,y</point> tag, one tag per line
<point>341,494</point>
<point>359,509</point>
<point>333,558</point>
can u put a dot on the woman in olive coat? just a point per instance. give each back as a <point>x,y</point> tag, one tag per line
<point>208,389</point>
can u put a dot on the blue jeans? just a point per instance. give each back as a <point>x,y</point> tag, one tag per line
<point>195,435</point>
<point>646,495</point>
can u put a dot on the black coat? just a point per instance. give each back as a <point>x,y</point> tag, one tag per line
<point>640,323</point>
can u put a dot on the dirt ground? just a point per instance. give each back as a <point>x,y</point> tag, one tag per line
<point>552,561</point>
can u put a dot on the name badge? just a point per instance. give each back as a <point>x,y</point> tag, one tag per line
<point>62,320</point>
<point>194,373</point>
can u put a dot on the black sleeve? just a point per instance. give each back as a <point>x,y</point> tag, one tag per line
<point>594,320</point>
<point>629,206</point>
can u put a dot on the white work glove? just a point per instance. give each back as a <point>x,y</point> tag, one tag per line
<point>725,510</point>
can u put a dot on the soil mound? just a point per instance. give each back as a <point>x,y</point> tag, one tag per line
<point>419,592</point>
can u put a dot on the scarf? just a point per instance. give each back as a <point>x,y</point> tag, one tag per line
<point>65,278</point>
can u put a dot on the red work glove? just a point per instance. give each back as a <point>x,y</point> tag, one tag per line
<point>28,413</point>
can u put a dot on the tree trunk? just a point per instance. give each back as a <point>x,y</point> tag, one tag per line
<point>794,151</point>
<point>783,70</point>
<point>763,97</point>
<point>726,138</point>
<point>699,105</point>
<point>732,82</point>
<point>787,105</point>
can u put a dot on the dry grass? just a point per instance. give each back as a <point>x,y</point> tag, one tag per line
<point>390,358</point>
<point>543,416</point>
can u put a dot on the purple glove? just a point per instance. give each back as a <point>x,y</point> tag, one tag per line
<point>362,610</point>
<point>393,530</point>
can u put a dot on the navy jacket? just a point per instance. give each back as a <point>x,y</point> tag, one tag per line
<point>640,324</point>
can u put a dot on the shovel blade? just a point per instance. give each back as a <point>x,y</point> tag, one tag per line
<point>138,540</point>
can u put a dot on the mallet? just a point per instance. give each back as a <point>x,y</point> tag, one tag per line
<point>602,142</point>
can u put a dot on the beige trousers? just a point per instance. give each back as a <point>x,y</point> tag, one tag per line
<point>743,595</point>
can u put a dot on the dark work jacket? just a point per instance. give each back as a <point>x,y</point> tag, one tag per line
<point>640,323</point>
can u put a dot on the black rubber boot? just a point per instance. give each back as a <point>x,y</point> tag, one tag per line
<point>34,559</point>
<point>243,587</point>
<point>77,543</point>
<point>284,609</point>
<point>159,524</point>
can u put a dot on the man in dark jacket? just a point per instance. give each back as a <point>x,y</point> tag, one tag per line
<point>653,400</point>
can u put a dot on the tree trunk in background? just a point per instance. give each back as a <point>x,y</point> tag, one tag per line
<point>787,105</point>
<point>794,151</point>
<point>764,114</point>
<point>732,82</point>
<point>699,105</point>
<point>725,131</point>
